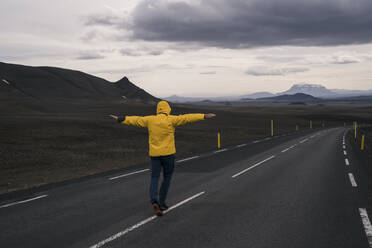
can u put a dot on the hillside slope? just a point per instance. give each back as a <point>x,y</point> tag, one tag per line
<point>56,83</point>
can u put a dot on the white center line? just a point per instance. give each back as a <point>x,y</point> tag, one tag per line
<point>222,150</point>
<point>125,175</point>
<point>145,221</point>
<point>186,159</point>
<point>347,161</point>
<point>352,180</point>
<point>5,81</point>
<point>367,225</point>
<point>286,150</point>
<point>344,147</point>
<point>345,153</point>
<point>302,141</point>
<point>241,145</point>
<point>256,141</point>
<point>253,166</point>
<point>24,201</point>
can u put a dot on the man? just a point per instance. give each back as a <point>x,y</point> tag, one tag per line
<point>162,148</point>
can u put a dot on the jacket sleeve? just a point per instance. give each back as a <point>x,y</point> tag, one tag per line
<point>139,121</point>
<point>180,120</point>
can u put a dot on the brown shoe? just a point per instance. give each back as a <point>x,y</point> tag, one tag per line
<point>157,209</point>
<point>163,207</point>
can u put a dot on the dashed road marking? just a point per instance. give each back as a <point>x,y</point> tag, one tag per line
<point>5,81</point>
<point>222,150</point>
<point>344,147</point>
<point>241,145</point>
<point>367,224</point>
<point>24,201</point>
<point>304,140</point>
<point>253,166</point>
<point>145,221</point>
<point>352,180</point>
<point>256,141</point>
<point>347,161</point>
<point>286,150</point>
<point>129,174</point>
<point>345,153</point>
<point>186,159</point>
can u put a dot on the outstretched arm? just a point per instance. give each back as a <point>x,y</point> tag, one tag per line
<point>189,118</point>
<point>139,121</point>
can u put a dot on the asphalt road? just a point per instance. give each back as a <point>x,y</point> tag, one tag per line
<point>298,190</point>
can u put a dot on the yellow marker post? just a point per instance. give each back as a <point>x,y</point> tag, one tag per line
<point>296,128</point>
<point>362,144</point>
<point>219,140</point>
<point>272,127</point>
<point>355,130</point>
<point>311,124</point>
<point>344,124</point>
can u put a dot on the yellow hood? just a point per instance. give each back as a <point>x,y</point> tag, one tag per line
<point>163,108</point>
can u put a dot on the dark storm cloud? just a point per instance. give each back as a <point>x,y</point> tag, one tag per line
<point>255,23</point>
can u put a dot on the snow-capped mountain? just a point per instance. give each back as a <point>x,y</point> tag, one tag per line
<point>315,90</point>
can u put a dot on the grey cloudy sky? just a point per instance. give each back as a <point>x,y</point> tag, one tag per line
<point>196,47</point>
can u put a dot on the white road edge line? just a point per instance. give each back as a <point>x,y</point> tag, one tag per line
<point>186,159</point>
<point>347,161</point>
<point>222,150</point>
<point>24,201</point>
<point>253,166</point>
<point>304,140</point>
<point>367,225</point>
<point>125,175</point>
<point>352,180</point>
<point>145,221</point>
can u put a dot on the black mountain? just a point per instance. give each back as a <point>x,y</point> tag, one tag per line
<point>44,83</point>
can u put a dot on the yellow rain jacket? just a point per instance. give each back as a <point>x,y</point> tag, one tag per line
<point>161,128</point>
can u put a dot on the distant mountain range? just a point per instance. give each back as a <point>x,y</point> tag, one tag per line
<point>314,90</point>
<point>41,83</point>
<point>295,98</point>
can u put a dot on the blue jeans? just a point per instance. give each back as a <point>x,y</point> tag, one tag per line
<point>167,163</point>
